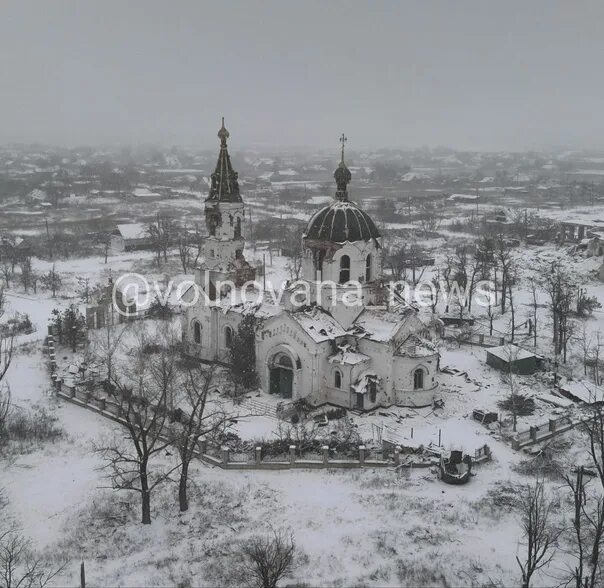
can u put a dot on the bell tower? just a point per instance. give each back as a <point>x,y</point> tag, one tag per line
<point>225,217</point>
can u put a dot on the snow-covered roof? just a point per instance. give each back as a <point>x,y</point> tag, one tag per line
<point>412,176</point>
<point>380,324</point>
<point>463,197</point>
<point>416,346</point>
<point>133,231</point>
<point>261,310</point>
<point>318,324</point>
<point>510,352</point>
<point>586,391</point>
<point>144,193</point>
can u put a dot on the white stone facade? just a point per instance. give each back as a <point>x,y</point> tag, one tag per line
<point>358,356</point>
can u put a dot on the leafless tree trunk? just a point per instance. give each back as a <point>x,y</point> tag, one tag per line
<point>196,422</point>
<point>19,567</point>
<point>588,526</point>
<point>143,411</point>
<point>540,537</point>
<point>534,290</point>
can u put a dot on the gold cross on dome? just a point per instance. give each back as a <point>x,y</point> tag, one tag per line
<point>343,140</point>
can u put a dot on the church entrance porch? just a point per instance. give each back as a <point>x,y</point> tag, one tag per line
<point>281,376</point>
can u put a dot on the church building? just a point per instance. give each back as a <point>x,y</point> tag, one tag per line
<point>338,335</point>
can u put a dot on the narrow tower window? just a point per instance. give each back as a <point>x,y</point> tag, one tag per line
<point>337,379</point>
<point>418,379</point>
<point>344,269</point>
<point>228,337</point>
<point>197,332</point>
<point>368,268</point>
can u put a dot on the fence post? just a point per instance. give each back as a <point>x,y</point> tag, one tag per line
<point>225,455</point>
<point>552,425</point>
<point>325,451</point>
<point>397,455</point>
<point>361,454</point>
<point>258,455</point>
<point>292,454</point>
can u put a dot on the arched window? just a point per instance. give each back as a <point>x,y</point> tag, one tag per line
<point>197,332</point>
<point>238,228</point>
<point>283,360</point>
<point>344,269</point>
<point>368,268</point>
<point>228,337</point>
<point>418,379</point>
<point>337,379</point>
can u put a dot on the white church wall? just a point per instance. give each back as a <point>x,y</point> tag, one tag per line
<point>282,334</point>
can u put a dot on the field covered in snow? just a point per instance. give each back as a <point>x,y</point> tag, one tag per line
<point>381,527</point>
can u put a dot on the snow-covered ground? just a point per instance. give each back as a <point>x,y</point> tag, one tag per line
<point>352,527</point>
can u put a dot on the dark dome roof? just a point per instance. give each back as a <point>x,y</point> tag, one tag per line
<point>340,222</point>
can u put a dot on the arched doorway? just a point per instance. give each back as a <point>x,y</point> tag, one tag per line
<point>282,375</point>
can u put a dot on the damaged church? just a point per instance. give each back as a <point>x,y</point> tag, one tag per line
<point>349,343</point>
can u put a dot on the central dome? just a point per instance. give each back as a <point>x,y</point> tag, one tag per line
<point>340,222</point>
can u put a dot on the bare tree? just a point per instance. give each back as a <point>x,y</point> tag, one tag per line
<point>540,537</point>
<point>6,354</point>
<point>268,559</point>
<point>594,428</point>
<point>7,269</point>
<point>105,347</point>
<point>447,274</point>
<point>292,246</point>
<point>19,567</point>
<point>52,281</point>
<point>142,407</point>
<point>26,274</point>
<point>398,261</point>
<point>557,281</point>
<point>588,526</point>
<point>429,220</point>
<point>196,422</point>
<point>184,252</point>
<point>534,304</point>
<point>505,261</point>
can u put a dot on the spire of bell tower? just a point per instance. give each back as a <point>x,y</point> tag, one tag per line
<point>224,186</point>
<point>342,175</point>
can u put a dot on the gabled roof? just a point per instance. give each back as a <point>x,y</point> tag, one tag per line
<point>510,353</point>
<point>381,324</point>
<point>416,346</point>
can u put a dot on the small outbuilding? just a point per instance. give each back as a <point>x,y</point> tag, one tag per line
<point>131,237</point>
<point>510,358</point>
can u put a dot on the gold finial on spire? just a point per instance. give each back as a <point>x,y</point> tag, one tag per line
<point>223,134</point>
<point>343,140</point>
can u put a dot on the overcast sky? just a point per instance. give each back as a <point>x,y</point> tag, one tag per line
<point>467,74</point>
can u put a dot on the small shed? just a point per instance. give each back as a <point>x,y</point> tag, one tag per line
<point>131,237</point>
<point>512,358</point>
